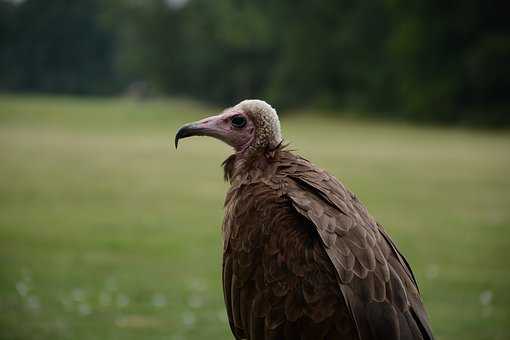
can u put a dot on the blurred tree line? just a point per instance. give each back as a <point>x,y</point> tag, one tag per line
<point>427,60</point>
<point>55,46</point>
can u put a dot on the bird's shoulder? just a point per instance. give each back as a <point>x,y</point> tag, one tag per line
<point>282,179</point>
<point>375,278</point>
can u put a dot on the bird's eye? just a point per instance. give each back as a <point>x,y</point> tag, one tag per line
<point>238,121</point>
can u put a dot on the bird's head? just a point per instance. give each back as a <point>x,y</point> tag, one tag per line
<point>250,125</point>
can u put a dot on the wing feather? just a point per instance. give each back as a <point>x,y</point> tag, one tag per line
<point>303,259</point>
<point>376,280</point>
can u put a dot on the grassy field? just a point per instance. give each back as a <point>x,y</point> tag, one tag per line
<point>107,232</point>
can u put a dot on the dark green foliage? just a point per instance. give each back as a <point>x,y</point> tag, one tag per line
<point>451,60</point>
<point>55,46</point>
<point>427,61</point>
<point>220,51</point>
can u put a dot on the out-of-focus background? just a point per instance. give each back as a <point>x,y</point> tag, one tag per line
<point>106,232</point>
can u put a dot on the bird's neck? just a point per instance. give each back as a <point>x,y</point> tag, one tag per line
<point>243,164</point>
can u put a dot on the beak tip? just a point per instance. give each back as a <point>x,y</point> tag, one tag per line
<point>187,130</point>
<point>183,132</point>
<point>180,134</point>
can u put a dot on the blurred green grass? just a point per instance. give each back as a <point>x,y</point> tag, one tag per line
<point>106,232</point>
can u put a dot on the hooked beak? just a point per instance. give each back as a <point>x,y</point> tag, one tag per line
<point>187,130</point>
<point>206,127</point>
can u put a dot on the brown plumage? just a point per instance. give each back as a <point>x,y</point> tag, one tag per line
<point>303,259</point>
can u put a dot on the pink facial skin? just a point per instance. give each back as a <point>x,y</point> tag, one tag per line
<point>224,127</point>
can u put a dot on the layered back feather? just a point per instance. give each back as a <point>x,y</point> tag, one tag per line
<point>303,258</point>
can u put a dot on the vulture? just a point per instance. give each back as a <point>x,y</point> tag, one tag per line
<point>302,257</point>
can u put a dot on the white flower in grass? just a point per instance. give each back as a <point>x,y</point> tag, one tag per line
<point>188,319</point>
<point>432,271</point>
<point>84,309</point>
<point>486,301</point>
<point>122,300</point>
<point>486,297</point>
<point>22,288</point>
<point>159,300</point>
<point>78,294</point>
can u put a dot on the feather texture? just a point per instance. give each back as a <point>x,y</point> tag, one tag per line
<point>303,259</point>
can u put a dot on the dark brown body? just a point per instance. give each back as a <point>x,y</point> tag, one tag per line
<point>303,259</point>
